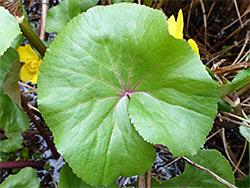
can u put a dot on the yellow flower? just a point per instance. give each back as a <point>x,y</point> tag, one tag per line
<point>30,69</point>
<point>175,29</point>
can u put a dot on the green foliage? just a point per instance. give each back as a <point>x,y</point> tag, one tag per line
<point>69,179</point>
<point>61,14</point>
<point>10,83</point>
<point>243,182</point>
<point>194,177</point>
<point>121,65</point>
<point>26,178</point>
<point>17,42</point>
<point>224,106</point>
<point>244,131</point>
<point>240,80</point>
<point>13,119</point>
<point>148,2</point>
<point>9,29</point>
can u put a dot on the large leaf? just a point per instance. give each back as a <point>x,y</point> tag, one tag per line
<point>116,59</point>
<point>241,79</point>
<point>194,177</point>
<point>13,119</point>
<point>26,178</point>
<point>69,179</point>
<point>9,29</point>
<point>61,14</point>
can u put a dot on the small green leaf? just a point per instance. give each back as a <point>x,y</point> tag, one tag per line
<point>95,75</point>
<point>86,4</point>
<point>223,106</point>
<point>244,131</point>
<point>26,178</point>
<point>148,2</point>
<point>6,62</point>
<point>13,119</point>
<point>61,14</point>
<point>9,29</point>
<point>195,177</point>
<point>240,80</point>
<point>10,83</point>
<point>243,182</point>
<point>69,179</point>
<point>17,42</point>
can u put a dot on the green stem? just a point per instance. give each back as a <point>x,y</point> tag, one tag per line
<point>160,4</point>
<point>243,89</point>
<point>32,37</point>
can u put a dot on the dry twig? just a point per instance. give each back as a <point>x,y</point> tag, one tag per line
<point>236,122</point>
<point>53,180</point>
<point>238,13</point>
<point>213,135</point>
<point>45,4</point>
<point>209,172</point>
<point>242,49</point>
<point>226,150</point>
<point>141,181</point>
<point>238,117</point>
<point>149,179</point>
<point>205,22</point>
<point>241,157</point>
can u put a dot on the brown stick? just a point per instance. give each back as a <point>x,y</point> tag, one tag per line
<point>242,49</point>
<point>231,68</point>
<point>205,22</point>
<point>238,13</point>
<point>141,181</point>
<point>227,151</point>
<point>210,172</point>
<point>21,164</point>
<point>45,6</point>
<point>241,157</point>
<point>236,122</point>
<point>50,144</point>
<point>149,179</point>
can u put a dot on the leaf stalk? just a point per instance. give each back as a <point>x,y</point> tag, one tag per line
<point>50,144</point>
<point>31,36</point>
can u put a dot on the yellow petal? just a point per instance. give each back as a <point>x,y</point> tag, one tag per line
<point>25,75</point>
<point>34,79</point>
<point>194,46</point>
<point>172,26</point>
<point>179,25</point>
<point>26,52</point>
<point>40,61</point>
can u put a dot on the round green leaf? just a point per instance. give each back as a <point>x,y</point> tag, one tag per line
<point>9,29</point>
<point>95,75</point>
<point>26,178</point>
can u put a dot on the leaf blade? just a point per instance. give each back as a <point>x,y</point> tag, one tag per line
<point>9,29</point>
